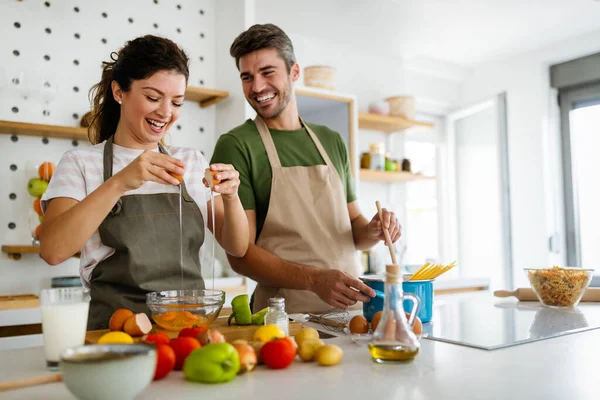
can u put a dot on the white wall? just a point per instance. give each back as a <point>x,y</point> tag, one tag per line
<point>533,143</point>
<point>32,42</point>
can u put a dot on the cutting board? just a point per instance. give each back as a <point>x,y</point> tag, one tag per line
<point>231,333</point>
<point>19,302</point>
<point>527,294</point>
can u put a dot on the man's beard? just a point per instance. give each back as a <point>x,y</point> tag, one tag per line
<point>283,99</point>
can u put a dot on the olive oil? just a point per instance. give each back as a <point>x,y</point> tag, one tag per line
<point>391,352</point>
<point>394,339</point>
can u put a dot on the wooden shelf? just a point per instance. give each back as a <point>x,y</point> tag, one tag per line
<point>388,123</point>
<point>19,302</point>
<point>60,132</point>
<point>206,97</point>
<point>15,252</point>
<point>367,175</point>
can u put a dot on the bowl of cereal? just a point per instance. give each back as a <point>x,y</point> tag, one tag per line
<point>559,287</point>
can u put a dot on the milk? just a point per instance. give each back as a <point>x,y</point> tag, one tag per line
<point>63,325</point>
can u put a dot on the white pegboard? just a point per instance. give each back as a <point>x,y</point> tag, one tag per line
<point>64,42</point>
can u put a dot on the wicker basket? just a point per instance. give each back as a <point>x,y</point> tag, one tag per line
<point>402,106</point>
<point>320,76</point>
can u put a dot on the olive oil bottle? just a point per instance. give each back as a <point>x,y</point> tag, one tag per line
<point>394,339</point>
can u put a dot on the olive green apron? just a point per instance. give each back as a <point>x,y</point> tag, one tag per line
<point>307,223</point>
<point>144,230</point>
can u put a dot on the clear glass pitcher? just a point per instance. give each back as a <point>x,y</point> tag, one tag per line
<point>394,339</point>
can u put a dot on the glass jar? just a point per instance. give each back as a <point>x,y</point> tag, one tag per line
<point>276,314</point>
<point>377,151</point>
<point>365,161</point>
<point>390,165</point>
<point>394,339</point>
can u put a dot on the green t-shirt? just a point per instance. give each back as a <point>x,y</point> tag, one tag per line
<point>243,148</point>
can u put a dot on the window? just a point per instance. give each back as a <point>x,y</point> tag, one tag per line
<point>421,225</point>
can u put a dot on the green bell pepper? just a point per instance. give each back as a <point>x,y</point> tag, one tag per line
<point>259,317</point>
<point>240,311</point>
<point>212,363</point>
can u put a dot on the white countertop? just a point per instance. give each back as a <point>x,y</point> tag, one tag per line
<point>559,368</point>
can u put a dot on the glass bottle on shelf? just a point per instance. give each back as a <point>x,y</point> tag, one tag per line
<point>276,314</point>
<point>394,339</point>
<point>377,151</point>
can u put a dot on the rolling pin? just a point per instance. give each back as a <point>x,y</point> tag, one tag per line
<point>37,380</point>
<point>527,294</point>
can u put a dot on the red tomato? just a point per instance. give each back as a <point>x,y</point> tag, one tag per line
<point>183,346</point>
<point>165,361</point>
<point>278,353</point>
<point>157,338</point>
<point>191,332</point>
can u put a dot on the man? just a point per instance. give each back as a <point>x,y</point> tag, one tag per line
<point>305,224</point>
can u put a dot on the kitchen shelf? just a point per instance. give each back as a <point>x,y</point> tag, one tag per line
<point>368,175</point>
<point>15,252</point>
<point>205,97</point>
<point>60,132</point>
<point>388,123</point>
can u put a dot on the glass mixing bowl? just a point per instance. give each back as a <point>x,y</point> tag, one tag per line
<point>177,309</point>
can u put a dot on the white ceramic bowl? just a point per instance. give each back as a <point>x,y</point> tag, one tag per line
<point>108,371</point>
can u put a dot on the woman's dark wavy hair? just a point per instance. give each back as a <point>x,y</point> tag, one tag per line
<point>138,59</point>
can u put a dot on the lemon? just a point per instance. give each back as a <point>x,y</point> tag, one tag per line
<point>115,338</point>
<point>267,333</point>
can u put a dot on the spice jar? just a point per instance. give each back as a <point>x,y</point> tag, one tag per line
<point>406,165</point>
<point>390,165</point>
<point>377,151</point>
<point>365,161</point>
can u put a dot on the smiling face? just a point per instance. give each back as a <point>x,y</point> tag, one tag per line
<point>266,82</point>
<point>151,106</point>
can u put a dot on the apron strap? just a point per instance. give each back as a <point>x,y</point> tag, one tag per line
<point>318,144</point>
<point>108,170</point>
<point>267,139</point>
<point>263,129</point>
<point>108,158</point>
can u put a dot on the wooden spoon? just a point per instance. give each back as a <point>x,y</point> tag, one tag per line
<point>388,240</point>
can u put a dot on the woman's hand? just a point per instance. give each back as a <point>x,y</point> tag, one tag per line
<point>226,180</point>
<point>150,166</point>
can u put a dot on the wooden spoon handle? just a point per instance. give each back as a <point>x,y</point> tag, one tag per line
<point>388,240</point>
<point>26,382</point>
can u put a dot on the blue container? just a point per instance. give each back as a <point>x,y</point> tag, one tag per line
<point>421,289</point>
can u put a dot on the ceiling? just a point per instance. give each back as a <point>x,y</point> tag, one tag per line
<point>462,32</point>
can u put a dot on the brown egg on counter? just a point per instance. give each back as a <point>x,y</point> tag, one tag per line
<point>418,325</point>
<point>375,320</point>
<point>358,324</point>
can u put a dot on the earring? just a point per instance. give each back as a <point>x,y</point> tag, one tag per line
<point>120,102</point>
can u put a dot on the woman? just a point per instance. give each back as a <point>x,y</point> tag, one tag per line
<point>118,200</point>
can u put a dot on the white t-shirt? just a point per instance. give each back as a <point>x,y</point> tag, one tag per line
<point>80,172</point>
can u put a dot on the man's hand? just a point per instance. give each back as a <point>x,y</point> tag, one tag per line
<point>390,221</point>
<point>339,289</point>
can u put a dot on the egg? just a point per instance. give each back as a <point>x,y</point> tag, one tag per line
<point>358,324</point>
<point>418,325</point>
<point>375,320</point>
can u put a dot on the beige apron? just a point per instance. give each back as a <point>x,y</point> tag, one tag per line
<point>307,223</point>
